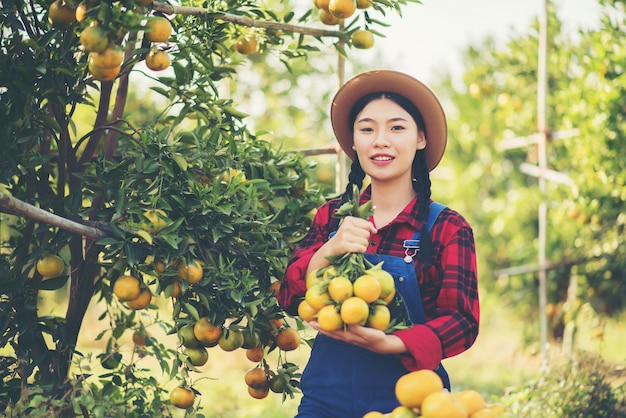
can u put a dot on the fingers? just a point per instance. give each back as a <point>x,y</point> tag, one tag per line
<point>353,235</point>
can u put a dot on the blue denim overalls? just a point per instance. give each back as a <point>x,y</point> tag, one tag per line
<point>342,380</point>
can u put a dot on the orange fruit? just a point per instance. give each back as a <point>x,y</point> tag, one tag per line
<point>159,266</point>
<point>187,337</point>
<point>182,397</point>
<point>471,399</point>
<point>362,39</point>
<point>247,45</point>
<point>157,60</point>
<point>342,9</point>
<point>258,393</point>
<point>363,4</point>
<point>288,339</point>
<point>484,413</point>
<point>322,4</point>
<point>251,339</point>
<point>127,288</point>
<point>140,338</point>
<point>230,340</point>
<point>60,14</point>
<point>112,57</point>
<point>354,310</point>
<point>177,288</point>
<point>402,412</point>
<point>158,29</point>
<point>374,414</point>
<point>367,287</point>
<point>50,266</point>
<point>313,278</point>
<point>379,317</point>
<point>328,19</point>
<point>94,39</point>
<point>329,319</point>
<point>192,273</point>
<point>340,288</point>
<point>103,74</point>
<point>157,219</point>
<point>317,296</point>
<point>442,404</point>
<point>256,378</point>
<point>275,287</point>
<point>255,354</point>
<point>412,388</point>
<point>497,408</point>
<point>81,12</point>
<point>198,356</point>
<point>387,284</point>
<point>306,311</point>
<point>206,332</point>
<point>277,384</point>
<point>142,301</point>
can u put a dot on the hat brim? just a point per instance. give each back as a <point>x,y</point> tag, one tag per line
<point>393,82</point>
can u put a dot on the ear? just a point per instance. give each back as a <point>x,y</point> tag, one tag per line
<point>421,140</point>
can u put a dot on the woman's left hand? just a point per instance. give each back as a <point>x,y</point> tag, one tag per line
<point>365,337</point>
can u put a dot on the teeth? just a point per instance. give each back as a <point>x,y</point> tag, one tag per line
<point>382,158</point>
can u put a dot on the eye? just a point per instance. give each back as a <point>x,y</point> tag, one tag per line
<point>366,129</point>
<point>398,128</point>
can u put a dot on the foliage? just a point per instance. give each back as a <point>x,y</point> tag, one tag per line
<point>582,386</point>
<point>498,101</point>
<point>73,145</point>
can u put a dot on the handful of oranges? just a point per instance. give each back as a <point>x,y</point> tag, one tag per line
<point>351,290</point>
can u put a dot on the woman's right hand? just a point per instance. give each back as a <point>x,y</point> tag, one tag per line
<point>353,236</point>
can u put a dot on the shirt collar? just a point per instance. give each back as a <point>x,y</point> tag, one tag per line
<point>408,215</point>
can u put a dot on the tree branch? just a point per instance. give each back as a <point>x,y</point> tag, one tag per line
<point>14,206</point>
<point>244,21</point>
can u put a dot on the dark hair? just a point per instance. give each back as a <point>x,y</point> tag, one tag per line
<point>420,173</point>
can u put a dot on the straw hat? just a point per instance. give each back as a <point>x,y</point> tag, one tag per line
<point>387,81</point>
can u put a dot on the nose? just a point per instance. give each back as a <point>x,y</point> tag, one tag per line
<point>380,139</point>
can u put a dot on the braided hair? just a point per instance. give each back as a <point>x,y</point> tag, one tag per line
<point>419,170</point>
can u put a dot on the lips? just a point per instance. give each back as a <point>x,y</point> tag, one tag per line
<point>382,158</point>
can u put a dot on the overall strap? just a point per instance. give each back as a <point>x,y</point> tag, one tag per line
<point>435,210</point>
<point>412,245</point>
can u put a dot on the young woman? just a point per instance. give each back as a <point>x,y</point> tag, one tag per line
<point>394,130</point>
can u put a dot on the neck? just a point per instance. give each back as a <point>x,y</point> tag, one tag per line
<point>389,200</point>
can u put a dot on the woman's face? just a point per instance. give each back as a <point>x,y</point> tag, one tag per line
<point>386,138</point>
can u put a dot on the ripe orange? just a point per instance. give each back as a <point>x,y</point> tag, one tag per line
<point>329,319</point>
<point>313,278</point>
<point>50,266</point>
<point>177,288</point>
<point>255,354</point>
<point>142,301</point>
<point>471,399</point>
<point>412,388</point>
<point>182,397</point>
<point>230,340</point>
<point>484,413</point>
<point>367,287</point>
<point>340,288</point>
<point>342,9</point>
<point>379,317</point>
<point>198,356</point>
<point>102,73</point>
<point>328,19</point>
<point>247,45</point>
<point>206,332</point>
<point>387,284</point>
<point>94,39</point>
<point>126,288</point>
<point>363,4</point>
<point>442,404</point>
<point>402,412</point>
<point>258,393</point>
<point>306,311</point>
<point>158,29</point>
<point>140,338</point>
<point>256,378</point>
<point>159,266</point>
<point>362,39</point>
<point>374,414</point>
<point>192,273</point>
<point>60,14</point>
<point>288,339</point>
<point>81,12</point>
<point>157,60</point>
<point>354,310</point>
<point>112,57</point>
<point>323,4</point>
<point>317,296</point>
<point>497,408</point>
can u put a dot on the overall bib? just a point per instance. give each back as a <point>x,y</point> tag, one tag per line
<point>342,380</point>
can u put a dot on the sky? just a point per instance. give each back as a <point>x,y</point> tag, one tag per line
<point>431,37</point>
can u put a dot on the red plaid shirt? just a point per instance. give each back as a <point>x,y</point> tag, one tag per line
<point>449,286</point>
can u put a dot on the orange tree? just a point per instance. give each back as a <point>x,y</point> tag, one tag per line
<point>585,222</point>
<point>177,200</point>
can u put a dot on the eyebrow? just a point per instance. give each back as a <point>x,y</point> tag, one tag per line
<point>397,119</point>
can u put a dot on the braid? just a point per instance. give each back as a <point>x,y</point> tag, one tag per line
<point>356,176</point>
<point>421,185</point>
